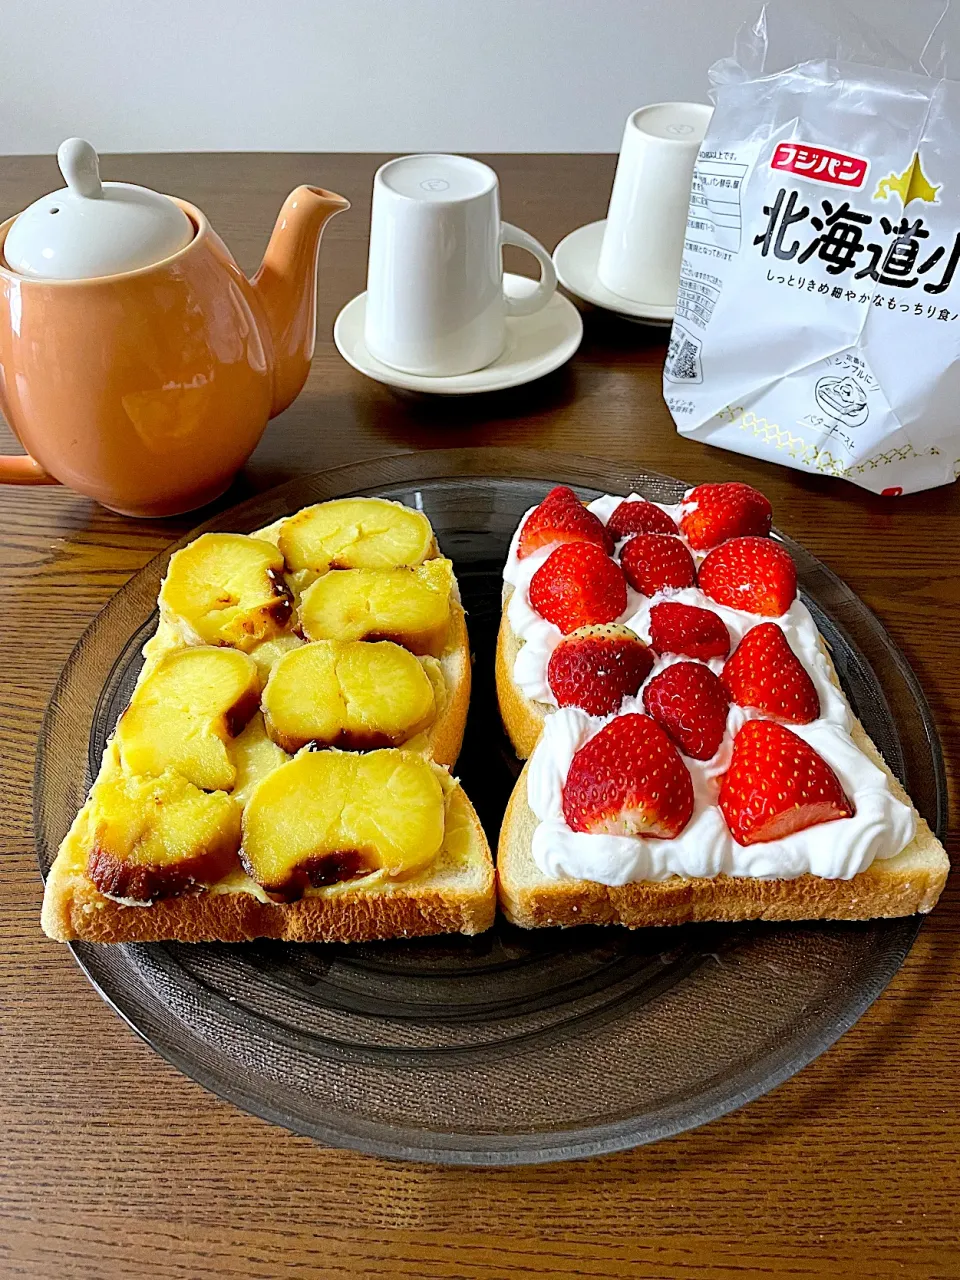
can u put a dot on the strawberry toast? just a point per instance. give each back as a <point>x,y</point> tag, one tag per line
<point>690,754</point>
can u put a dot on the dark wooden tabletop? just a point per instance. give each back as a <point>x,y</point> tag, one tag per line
<point>114,1165</point>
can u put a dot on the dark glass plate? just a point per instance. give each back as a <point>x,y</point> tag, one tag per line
<point>515,1046</point>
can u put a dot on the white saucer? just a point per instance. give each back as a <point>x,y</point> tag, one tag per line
<point>575,259</point>
<point>536,345</point>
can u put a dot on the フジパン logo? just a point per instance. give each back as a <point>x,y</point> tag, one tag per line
<point>817,164</point>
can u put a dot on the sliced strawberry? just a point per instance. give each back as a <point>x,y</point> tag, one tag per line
<point>596,667</point>
<point>640,517</point>
<point>561,517</point>
<point>686,629</point>
<point>578,584</point>
<point>777,784</point>
<point>763,672</point>
<point>753,574</point>
<point>628,780</point>
<point>689,702</point>
<point>712,513</point>
<point>655,561</point>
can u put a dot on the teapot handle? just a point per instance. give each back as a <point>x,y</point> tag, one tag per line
<point>22,469</point>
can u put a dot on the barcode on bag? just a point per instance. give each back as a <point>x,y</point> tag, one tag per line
<point>683,357</point>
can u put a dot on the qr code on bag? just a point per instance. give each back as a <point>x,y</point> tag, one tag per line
<point>683,357</point>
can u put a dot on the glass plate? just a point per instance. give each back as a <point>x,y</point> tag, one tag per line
<point>515,1046</point>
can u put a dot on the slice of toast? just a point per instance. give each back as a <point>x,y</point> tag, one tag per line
<point>900,886</point>
<point>455,893</point>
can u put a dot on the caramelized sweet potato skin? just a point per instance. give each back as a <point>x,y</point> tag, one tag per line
<point>186,712</point>
<point>281,611</point>
<point>345,740</point>
<point>145,882</point>
<point>318,872</point>
<point>237,717</point>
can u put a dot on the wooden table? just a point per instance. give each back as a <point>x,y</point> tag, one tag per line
<point>114,1165</point>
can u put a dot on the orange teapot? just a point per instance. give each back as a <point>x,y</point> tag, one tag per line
<point>138,365</point>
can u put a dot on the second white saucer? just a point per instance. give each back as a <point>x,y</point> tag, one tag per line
<point>536,345</point>
<point>575,259</point>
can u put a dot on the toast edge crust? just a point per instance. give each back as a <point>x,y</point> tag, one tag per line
<point>522,717</point>
<point>445,735</point>
<point>74,911</point>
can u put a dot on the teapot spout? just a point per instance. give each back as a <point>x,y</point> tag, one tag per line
<point>286,283</point>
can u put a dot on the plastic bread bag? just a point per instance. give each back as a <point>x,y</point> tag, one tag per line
<point>818,317</point>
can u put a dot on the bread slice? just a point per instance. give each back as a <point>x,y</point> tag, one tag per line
<point>455,894</point>
<point>907,883</point>
<point>899,886</point>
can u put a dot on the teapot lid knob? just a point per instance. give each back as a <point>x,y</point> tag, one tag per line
<point>92,228</point>
<point>80,166</point>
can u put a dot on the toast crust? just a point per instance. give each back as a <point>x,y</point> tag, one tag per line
<point>78,913</point>
<point>444,737</point>
<point>522,717</point>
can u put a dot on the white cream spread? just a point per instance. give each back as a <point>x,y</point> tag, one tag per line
<point>881,827</point>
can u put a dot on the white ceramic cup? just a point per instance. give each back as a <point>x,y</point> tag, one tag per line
<point>647,219</point>
<point>435,303</point>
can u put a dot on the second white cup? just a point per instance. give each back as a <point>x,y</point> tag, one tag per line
<point>435,303</point>
<point>647,219</point>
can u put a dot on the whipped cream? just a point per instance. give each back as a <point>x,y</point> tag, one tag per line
<point>881,826</point>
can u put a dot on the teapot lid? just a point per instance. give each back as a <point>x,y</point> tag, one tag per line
<point>91,228</point>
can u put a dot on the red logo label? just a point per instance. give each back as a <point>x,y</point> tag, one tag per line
<point>819,165</point>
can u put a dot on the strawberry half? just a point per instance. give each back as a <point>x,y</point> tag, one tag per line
<point>628,780</point>
<point>655,561</point>
<point>578,584</point>
<point>777,785</point>
<point>596,667</point>
<point>561,517</point>
<point>763,672</point>
<point>687,629</point>
<point>753,574</point>
<point>640,517</point>
<point>689,702</point>
<point>712,513</point>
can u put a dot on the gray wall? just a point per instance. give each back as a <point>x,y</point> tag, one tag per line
<point>346,75</point>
